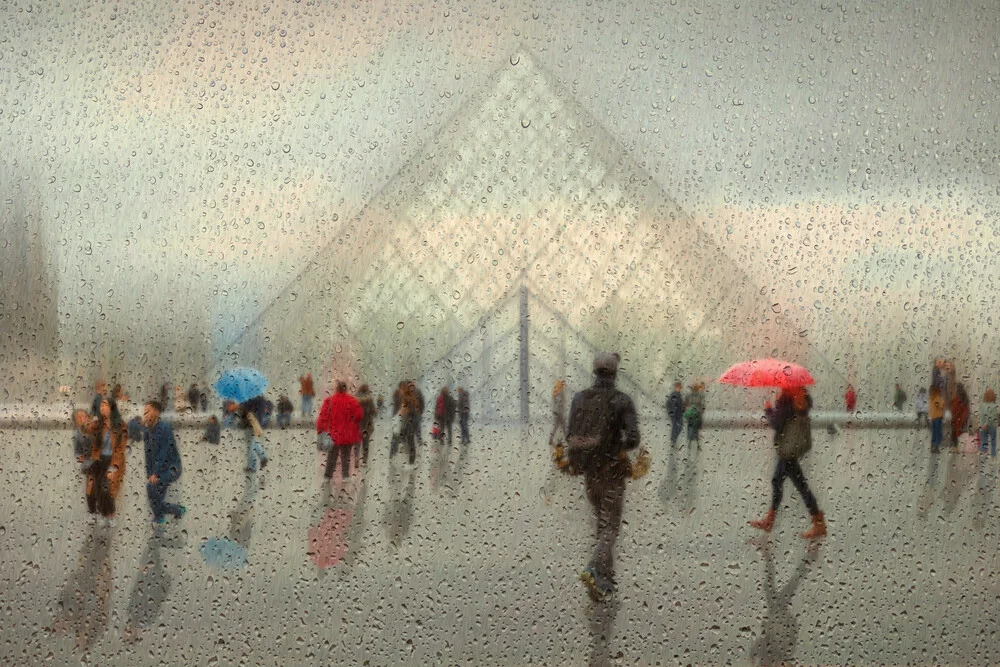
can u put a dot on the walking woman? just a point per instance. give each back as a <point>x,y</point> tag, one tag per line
<point>108,468</point>
<point>792,439</point>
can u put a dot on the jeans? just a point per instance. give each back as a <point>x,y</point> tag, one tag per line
<point>606,493</point>
<point>937,433</point>
<point>284,419</point>
<point>344,452</point>
<point>676,425</point>
<point>463,423</point>
<point>418,420</point>
<point>922,418</point>
<point>790,468</point>
<point>307,405</point>
<point>988,438</point>
<point>254,451</point>
<point>157,494</point>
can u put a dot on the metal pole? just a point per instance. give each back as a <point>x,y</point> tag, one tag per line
<point>524,351</point>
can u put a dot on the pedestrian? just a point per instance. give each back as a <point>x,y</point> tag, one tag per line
<point>694,412</point>
<point>340,416</point>
<point>367,423</point>
<point>193,396</point>
<point>203,399</point>
<point>100,390</point>
<point>107,468</point>
<point>464,412</point>
<point>792,440</point>
<point>307,391</point>
<point>850,398</point>
<point>163,462</point>
<point>164,394</point>
<point>285,410</point>
<point>988,423</point>
<point>898,399</point>
<point>602,426</point>
<point>960,410</point>
<point>213,432</point>
<point>936,413</point>
<point>558,413</point>
<point>444,415</point>
<point>675,412</point>
<point>920,403</point>
<point>396,435</point>
<point>248,417</point>
<point>408,419</point>
<point>229,413</point>
<point>417,412</point>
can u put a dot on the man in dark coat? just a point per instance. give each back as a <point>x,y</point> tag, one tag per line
<point>609,414</point>
<point>418,416</point>
<point>367,422</point>
<point>193,395</point>
<point>163,462</point>
<point>464,411</point>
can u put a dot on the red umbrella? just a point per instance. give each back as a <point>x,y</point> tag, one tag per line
<point>767,373</point>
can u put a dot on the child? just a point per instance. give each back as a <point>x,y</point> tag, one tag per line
<point>921,406</point>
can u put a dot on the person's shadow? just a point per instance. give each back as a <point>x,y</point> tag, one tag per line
<point>86,598</point>
<point>680,484</point>
<point>241,519</point>
<point>780,630</point>
<point>960,472</point>
<point>356,532</point>
<point>152,586</point>
<point>399,509</point>
<point>602,628</point>
<point>929,490</point>
<point>984,492</point>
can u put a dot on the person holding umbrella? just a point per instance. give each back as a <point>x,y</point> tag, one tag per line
<point>246,386</point>
<point>789,418</point>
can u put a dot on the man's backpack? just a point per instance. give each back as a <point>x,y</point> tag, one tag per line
<point>592,420</point>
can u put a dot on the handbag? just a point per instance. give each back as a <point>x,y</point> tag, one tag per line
<point>584,452</point>
<point>324,442</point>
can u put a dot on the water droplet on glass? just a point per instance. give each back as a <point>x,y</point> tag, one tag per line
<point>525,122</point>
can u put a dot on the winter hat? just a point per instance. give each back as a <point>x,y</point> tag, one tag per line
<point>607,363</point>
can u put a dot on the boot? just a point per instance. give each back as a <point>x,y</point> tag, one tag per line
<point>766,523</point>
<point>818,528</point>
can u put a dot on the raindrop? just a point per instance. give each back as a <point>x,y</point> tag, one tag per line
<point>400,325</point>
<point>515,60</point>
<point>275,85</point>
<point>286,148</point>
<point>260,224</point>
<point>525,122</point>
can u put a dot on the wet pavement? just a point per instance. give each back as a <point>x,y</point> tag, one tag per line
<point>473,555</point>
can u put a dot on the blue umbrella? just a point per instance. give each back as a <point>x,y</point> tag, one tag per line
<point>241,384</point>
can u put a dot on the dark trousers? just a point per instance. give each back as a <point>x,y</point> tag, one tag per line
<point>606,493</point>
<point>157,494</point>
<point>790,468</point>
<point>463,424</point>
<point>99,498</point>
<point>676,425</point>
<point>410,438</point>
<point>921,418</point>
<point>344,452</point>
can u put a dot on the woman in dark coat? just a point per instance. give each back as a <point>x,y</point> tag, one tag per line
<point>107,471</point>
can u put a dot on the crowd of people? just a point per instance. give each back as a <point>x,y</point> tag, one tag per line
<point>595,441</point>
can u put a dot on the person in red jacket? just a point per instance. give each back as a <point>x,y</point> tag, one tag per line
<point>340,416</point>
<point>850,398</point>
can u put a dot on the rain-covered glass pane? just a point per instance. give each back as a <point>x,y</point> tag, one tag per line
<point>499,334</point>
